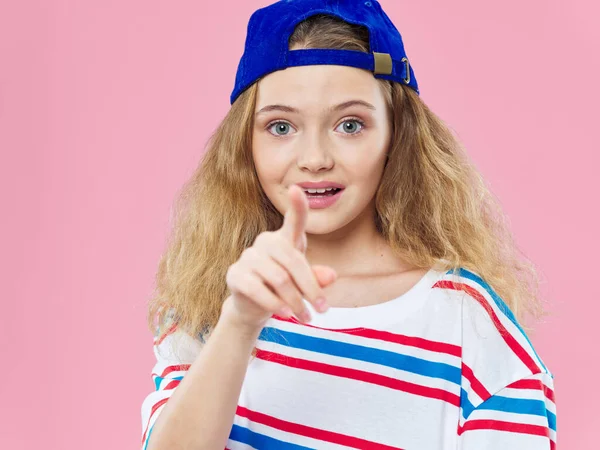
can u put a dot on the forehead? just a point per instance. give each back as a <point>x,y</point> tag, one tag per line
<point>318,85</point>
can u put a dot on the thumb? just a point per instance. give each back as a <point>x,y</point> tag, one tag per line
<point>325,275</point>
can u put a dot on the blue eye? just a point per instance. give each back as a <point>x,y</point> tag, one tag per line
<point>352,125</point>
<point>280,127</point>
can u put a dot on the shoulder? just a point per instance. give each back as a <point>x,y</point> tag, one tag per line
<point>496,351</point>
<point>175,351</point>
<point>174,345</point>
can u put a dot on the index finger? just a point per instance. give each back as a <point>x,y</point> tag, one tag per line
<point>294,222</point>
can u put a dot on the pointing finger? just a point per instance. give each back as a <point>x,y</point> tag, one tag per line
<point>294,223</point>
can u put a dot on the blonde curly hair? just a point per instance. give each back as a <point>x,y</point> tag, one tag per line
<point>432,205</point>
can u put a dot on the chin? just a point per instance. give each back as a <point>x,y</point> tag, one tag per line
<point>322,225</point>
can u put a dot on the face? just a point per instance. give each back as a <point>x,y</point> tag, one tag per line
<point>322,123</point>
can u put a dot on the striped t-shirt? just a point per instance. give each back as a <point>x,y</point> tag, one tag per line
<point>435,368</point>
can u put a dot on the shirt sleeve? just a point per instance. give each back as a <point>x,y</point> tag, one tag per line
<point>174,353</point>
<point>520,416</point>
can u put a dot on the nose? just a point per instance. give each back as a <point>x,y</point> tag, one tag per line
<point>314,154</point>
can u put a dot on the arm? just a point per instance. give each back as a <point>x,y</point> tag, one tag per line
<point>521,416</point>
<point>202,397</point>
<point>270,275</point>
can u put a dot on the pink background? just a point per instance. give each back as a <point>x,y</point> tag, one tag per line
<point>105,108</point>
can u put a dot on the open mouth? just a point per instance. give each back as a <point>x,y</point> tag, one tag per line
<point>321,192</point>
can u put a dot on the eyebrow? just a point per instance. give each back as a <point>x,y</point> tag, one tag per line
<point>335,108</point>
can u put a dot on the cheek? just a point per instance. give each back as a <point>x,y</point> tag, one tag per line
<point>271,160</point>
<point>367,167</point>
<point>270,170</point>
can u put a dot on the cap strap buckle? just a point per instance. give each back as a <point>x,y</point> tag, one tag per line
<point>383,63</point>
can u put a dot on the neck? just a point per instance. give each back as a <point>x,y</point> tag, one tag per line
<point>355,249</point>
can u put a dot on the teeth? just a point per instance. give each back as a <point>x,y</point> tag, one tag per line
<point>318,191</point>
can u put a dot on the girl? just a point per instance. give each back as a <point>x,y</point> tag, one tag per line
<point>338,275</point>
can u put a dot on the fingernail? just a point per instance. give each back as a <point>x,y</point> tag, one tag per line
<point>321,304</point>
<point>305,316</point>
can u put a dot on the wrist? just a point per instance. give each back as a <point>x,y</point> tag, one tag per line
<point>231,321</point>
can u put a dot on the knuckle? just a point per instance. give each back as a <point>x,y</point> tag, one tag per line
<point>279,239</point>
<point>262,238</point>
<point>249,254</point>
<point>249,288</point>
<point>231,273</point>
<point>296,257</point>
<point>281,279</point>
<point>287,261</point>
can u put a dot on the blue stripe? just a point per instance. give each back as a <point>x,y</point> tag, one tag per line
<point>465,403</point>
<point>500,304</point>
<point>148,438</point>
<point>551,420</point>
<point>515,405</point>
<point>509,405</point>
<point>519,406</point>
<point>256,440</point>
<point>158,380</point>
<point>358,352</point>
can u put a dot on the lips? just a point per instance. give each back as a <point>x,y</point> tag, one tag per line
<point>320,185</point>
<point>321,200</point>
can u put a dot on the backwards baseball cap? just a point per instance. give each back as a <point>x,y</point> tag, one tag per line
<point>269,29</point>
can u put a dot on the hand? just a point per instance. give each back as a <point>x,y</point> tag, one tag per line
<point>273,275</point>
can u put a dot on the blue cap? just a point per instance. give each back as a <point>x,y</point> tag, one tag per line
<point>269,29</point>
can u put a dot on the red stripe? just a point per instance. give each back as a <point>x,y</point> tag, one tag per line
<point>172,385</point>
<point>499,425</point>
<point>508,338</point>
<point>311,432</point>
<point>360,375</point>
<point>168,332</point>
<point>154,408</point>
<point>178,368</point>
<point>534,384</point>
<point>412,341</point>
<point>476,385</point>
